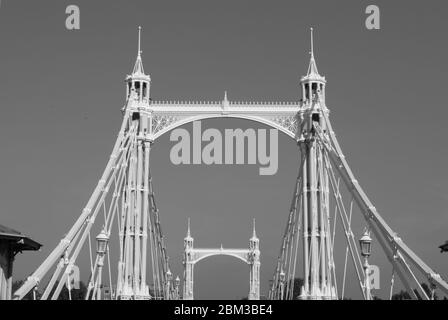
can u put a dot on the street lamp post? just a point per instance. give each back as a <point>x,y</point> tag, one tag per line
<point>102,240</point>
<point>366,248</point>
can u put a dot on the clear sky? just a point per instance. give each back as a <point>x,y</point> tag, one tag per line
<point>61,93</point>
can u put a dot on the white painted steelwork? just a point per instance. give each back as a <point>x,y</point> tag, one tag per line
<point>125,196</point>
<point>250,256</point>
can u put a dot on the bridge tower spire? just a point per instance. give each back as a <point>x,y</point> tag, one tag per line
<point>254,232</point>
<point>313,84</point>
<point>189,239</point>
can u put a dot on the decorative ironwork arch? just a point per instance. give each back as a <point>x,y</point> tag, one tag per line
<point>166,116</point>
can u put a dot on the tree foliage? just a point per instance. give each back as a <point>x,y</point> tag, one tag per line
<point>404,295</point>
<point>76,294</point>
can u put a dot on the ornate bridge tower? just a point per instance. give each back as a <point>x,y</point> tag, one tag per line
<point>250,256</point>
<point>133,235</point>
<point>318,263</point>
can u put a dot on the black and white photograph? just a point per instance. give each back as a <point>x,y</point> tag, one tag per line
<point>224,155</point>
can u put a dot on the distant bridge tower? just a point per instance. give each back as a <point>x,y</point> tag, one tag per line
<point>188,265</point>
<point>254,258</point>
<point>250,256</point>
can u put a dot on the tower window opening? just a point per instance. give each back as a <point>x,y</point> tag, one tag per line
<point>135,116</point>
<point>144,90</point>
<point>137,88</point>
<point>315,117</point>
<point>314,89</point>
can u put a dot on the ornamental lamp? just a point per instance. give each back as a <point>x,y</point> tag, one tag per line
<point>366,244</point>
<point>102,240</point>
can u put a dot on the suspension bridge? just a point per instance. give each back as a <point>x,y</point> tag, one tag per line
<point>123,219</point>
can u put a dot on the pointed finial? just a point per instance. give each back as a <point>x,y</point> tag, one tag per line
<point>188,232</point>
<point>139,40</point>
<point>312,68</point>
<point>312,42</point>
<point>225,102</point>
<point>254,235</point>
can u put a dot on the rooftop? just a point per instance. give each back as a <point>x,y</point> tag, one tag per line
<point>21,242</point>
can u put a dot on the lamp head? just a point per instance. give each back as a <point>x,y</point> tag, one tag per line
<point>102,240</point>
<point>366,244</point>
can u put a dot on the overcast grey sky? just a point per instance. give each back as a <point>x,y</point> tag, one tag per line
<point>61,93</point>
